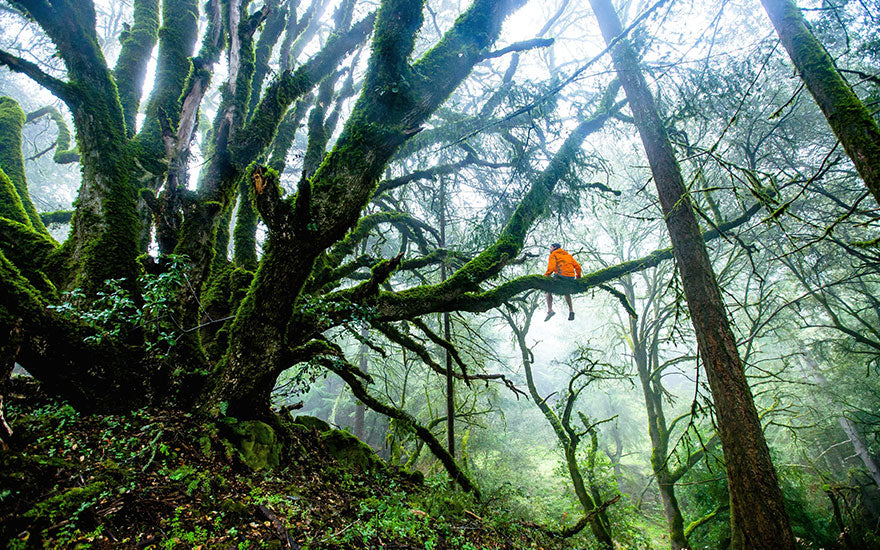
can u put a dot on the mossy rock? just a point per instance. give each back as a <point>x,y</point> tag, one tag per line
<point>312,422</point>
<point>235,509</point>
<point>256,443</point>
<point>416,477</point>
<point>351,452</point>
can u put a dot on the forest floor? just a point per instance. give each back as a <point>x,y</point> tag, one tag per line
<point>160,479</point>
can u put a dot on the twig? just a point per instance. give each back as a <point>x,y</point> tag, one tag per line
<point>283,534</point>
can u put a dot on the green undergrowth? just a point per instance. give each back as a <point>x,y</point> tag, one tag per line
<point>165,480</point>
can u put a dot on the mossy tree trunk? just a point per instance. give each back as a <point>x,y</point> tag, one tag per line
<point>236,329</point>
<point>329,203</point>
<point>12,118</point>
<point>758,515</point>
<point>848,117</point>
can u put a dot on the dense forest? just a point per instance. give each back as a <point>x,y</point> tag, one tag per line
<point>274,273</point>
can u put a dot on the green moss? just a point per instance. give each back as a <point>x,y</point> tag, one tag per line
<point>11,160</point>
<point>283,140</point>
<point>67,504</point>
<point>312,423</point>
<point>64,154</point>
<point>262,127</point>
<point>29,251</point>
<point>137,45</point>
<point>58,216</point>
<point>177,39</point>
<point>272,29</point>
<point>10,203</point>
<point>848,117</point>
<point>350,451</point>
<point>256,443</point>
<point>245,235</point>
<point>247,66</point>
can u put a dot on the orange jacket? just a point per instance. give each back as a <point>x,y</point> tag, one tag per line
<point>563,264</point>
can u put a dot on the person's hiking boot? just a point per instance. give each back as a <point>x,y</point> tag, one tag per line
<point>571,316</point>
<point>549,314</point>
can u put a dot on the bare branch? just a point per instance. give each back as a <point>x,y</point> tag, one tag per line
<point>520,47</point>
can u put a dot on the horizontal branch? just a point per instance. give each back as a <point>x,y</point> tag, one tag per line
<point>58,216</point>
<point>59,88</point>
<point>520,47</point>
<point>435,298</point>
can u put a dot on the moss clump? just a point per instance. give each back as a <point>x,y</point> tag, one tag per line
<point>67,504</point>
<point>58,216</point>
<point>312,422</point>
<point>28,251</point>
<point>256,443</point>
<point>350,451</point>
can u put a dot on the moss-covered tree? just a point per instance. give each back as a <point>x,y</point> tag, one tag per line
<point>758,516</point>
<point>852,122</point>
<point>188,327</point>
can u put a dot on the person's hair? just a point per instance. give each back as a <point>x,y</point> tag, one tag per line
<point>554,246</point>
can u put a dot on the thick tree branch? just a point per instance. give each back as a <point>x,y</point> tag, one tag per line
<point>59,88</point>
<point>272,29</point>
<point>430,299</point>
<point>131,66</point>
<point>174,72</point>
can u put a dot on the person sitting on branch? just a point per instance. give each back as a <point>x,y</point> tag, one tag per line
<point>562,265</point>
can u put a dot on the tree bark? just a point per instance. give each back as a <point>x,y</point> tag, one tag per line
<point>848,117</point>
<point>447,333</point>
<point>334,197</point>
<point>758,517</point>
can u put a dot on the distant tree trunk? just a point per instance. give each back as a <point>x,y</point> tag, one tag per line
<point>568,440</point>
<point>657,430</point>
<point>359,407</point>
<point>758,517</point>
<point>450,380</point>
<point>845,423</point>
<point>850,120</point>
